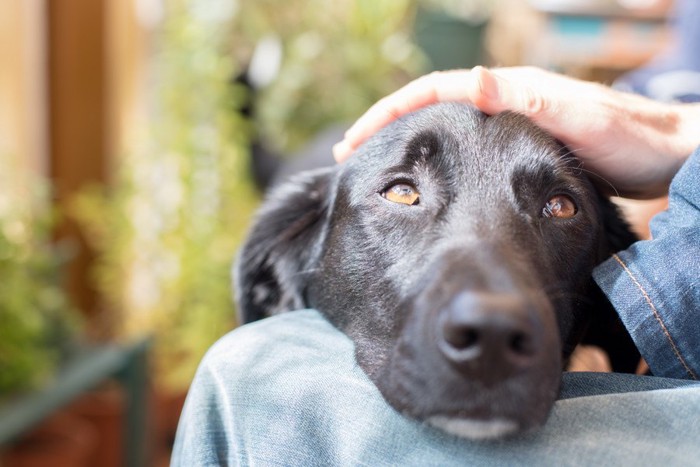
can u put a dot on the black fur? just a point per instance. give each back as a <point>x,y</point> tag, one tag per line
<point>388,274</point>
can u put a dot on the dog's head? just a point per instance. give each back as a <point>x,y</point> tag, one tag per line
<point>455,250</point>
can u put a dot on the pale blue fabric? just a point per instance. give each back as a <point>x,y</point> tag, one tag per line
<point>287,391</point>
<point>655,284</point>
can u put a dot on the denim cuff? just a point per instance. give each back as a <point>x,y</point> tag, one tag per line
<point>654,284</point>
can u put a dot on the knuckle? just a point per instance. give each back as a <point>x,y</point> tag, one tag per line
<point>534,103</point>
<point>432,79</point>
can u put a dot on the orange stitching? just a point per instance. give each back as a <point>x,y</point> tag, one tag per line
<point>657,316</point>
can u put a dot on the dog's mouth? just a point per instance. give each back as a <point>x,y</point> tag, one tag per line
<point>478,365</point>
<point>421,386</point>
<point>473,428</point>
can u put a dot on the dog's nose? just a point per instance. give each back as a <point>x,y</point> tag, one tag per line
<point>489,336</point>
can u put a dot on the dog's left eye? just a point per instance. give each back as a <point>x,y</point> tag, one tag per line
<point>561,206</point>
<point>402,193</point>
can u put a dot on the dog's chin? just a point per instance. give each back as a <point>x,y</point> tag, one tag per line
<point>474,429</point>
<point>474,412</point>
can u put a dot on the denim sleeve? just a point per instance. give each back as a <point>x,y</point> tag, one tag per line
<point>654,284</point>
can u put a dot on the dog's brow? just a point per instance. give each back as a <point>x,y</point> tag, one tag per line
<point>423,145</point>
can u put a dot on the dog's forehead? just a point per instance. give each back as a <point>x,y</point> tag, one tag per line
<point>460,140</point>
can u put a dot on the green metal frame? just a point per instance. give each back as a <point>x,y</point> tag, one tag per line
<point>127,364</point>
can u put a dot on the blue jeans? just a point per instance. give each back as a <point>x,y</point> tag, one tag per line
<point>287,391</point>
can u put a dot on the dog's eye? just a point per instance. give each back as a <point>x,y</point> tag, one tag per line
<point>560,206</point>
<point>402,193</point>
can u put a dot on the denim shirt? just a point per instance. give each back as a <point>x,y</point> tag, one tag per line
<point>654,284</point>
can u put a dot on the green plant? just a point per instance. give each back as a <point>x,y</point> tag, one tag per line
<point>166,230</point>
<point>339,58</point>
<point>37,325</point>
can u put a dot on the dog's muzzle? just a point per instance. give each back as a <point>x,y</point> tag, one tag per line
<point>478,359</point>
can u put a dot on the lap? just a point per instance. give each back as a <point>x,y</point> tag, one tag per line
<point>287,391</point>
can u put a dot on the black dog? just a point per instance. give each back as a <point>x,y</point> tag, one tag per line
<point>455,250</point>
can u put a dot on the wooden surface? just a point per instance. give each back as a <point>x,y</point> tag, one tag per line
<point>23,106</point>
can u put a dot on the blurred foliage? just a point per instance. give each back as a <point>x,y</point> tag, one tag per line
<point>167,229</point>
<point>37,325</point>
<point>339,58</point>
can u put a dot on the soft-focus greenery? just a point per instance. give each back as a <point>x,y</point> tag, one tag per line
<point>166,230</point>
<point>339,58</point>
<point>36,323</point>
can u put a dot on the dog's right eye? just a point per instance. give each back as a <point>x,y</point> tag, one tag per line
<point>402,193</point>
<point>561,206</point>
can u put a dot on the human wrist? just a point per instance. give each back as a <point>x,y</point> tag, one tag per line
<point>648,142</point>
<point>683,141</point>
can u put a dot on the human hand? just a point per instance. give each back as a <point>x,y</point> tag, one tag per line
<point>635,144</point>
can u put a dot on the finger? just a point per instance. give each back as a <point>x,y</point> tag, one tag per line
<point>495,93</point>
<point>342,151</point>
<point>429,89</point>
<point>490,91</point>
<point>414,95</point>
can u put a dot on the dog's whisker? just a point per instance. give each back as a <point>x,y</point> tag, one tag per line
<point>605,180</point>
<point>570,156</point>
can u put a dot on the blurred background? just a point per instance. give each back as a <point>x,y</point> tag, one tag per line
<point>138,136</point>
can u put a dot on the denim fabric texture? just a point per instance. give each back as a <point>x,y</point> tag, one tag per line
<point>655,284</point>
<point>287,391</point>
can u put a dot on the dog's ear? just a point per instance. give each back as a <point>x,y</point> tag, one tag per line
<point>606,330</point>
<point>282,247</point>
<point>618,233</point>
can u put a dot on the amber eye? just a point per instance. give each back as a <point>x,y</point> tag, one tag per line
<point>402,193</point>
<point>560,206</point>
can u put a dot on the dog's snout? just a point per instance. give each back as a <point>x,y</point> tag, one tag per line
<point>488,336</point>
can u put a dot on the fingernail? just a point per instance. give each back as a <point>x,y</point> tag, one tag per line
<point>341,151</point>
<point>488,83</point>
